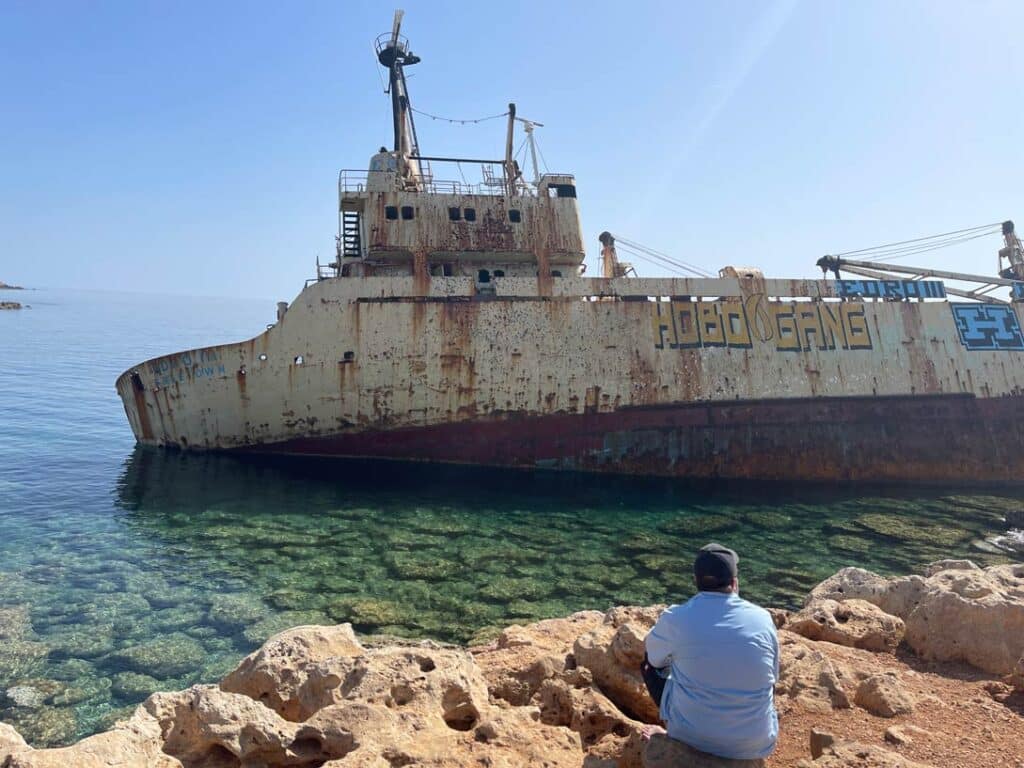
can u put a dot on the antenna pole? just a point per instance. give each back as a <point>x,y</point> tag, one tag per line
<point>510,171</point>
<point>393,52</point>
<point>533,150</point>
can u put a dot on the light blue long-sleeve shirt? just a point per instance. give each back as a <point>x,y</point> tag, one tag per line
<point>724,654</point>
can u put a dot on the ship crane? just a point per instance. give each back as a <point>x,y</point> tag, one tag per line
<point>979,287</point>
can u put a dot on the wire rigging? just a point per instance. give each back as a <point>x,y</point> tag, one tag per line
<point>921,244</point>
<point>455,121</point>
<point>637,254</point>
<point>926,247</point>
<point>650,254</point>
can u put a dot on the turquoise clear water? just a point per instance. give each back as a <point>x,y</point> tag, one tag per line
<point>124,571</point>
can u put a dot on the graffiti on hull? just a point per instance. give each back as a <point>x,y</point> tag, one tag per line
<point>987,327</point>
<point>891,289</point>
<point>790,326</point>
<point>199,364</point>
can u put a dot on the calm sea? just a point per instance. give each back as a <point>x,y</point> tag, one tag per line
<point>124,571</point>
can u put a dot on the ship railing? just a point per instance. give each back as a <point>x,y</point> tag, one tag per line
<point>358,180</point>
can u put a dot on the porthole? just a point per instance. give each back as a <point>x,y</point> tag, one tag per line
<point>263,356</point>
<point>454,214</point>
<point>299,360</point>
<point>515,215</point>
<point>407,212</point>
<point>470,214</point>
<point>390,212</point>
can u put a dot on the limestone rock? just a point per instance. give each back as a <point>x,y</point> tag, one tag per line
<point>972,616</point>
<point>133,744</point>
<point>663,752</point>
<point>854,623</point>
<point>601,652</point>
<point>882,695</point>
<point>950,565</point>
<point>204,724</point>
<point>897,597</point>
<point>820,741</point>
<point>957,614</point>
<point>522,658</point>
<point>1016,677</point>
<point>276,672</point>
<point>810,678</point>
<point>854,755</point>
<point>10,741</point>
<point>904,734</point>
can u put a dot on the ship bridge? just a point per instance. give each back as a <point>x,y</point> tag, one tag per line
<point>396,218</point>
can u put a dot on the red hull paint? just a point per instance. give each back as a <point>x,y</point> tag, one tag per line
<point>928,438</point>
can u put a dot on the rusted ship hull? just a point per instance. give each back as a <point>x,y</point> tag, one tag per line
<point>771,379</point>
<point>925,439</point>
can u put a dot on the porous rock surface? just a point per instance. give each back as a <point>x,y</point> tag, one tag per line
<point>958,613</point>
<point>567,692</point>
<point>855,623</point>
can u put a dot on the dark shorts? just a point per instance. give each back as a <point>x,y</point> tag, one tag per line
<point>653,680</point>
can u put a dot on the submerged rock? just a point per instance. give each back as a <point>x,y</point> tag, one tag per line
<point>561,692</point>
<point>168,656</point>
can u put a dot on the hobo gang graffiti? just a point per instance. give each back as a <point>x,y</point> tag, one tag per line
<point>792,326</point>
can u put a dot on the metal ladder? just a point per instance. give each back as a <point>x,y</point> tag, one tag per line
<point>351,237</point>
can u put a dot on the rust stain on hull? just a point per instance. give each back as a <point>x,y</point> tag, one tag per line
<point>571,380</point>
<point>845,439</point>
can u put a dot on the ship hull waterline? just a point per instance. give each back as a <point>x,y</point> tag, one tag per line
<point>927,439</point>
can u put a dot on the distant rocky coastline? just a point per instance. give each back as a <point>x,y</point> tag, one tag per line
<point>908,672</point>
<point>10,304</point>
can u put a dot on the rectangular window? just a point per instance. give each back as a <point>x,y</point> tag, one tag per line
<point>454,214</point>
<point>407,212</point>
<point>470,214</point>
<point>390,212</point>
<point>515,215</point>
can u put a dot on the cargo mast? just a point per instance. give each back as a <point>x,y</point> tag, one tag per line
<point>393,53</point>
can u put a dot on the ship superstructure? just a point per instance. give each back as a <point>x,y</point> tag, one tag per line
<point>456,325</point>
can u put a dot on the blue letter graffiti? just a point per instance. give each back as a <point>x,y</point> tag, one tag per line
<point>987,326</point>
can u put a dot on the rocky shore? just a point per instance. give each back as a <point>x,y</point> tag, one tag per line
<point>910,672</point>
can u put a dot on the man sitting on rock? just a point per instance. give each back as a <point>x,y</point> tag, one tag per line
<point>723,654</point>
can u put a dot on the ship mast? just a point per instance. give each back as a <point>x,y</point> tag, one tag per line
<point>393,53</point>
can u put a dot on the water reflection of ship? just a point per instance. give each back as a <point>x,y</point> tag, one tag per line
<point>154,480</point>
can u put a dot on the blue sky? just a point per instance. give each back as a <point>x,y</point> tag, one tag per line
<point>193,148</point>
